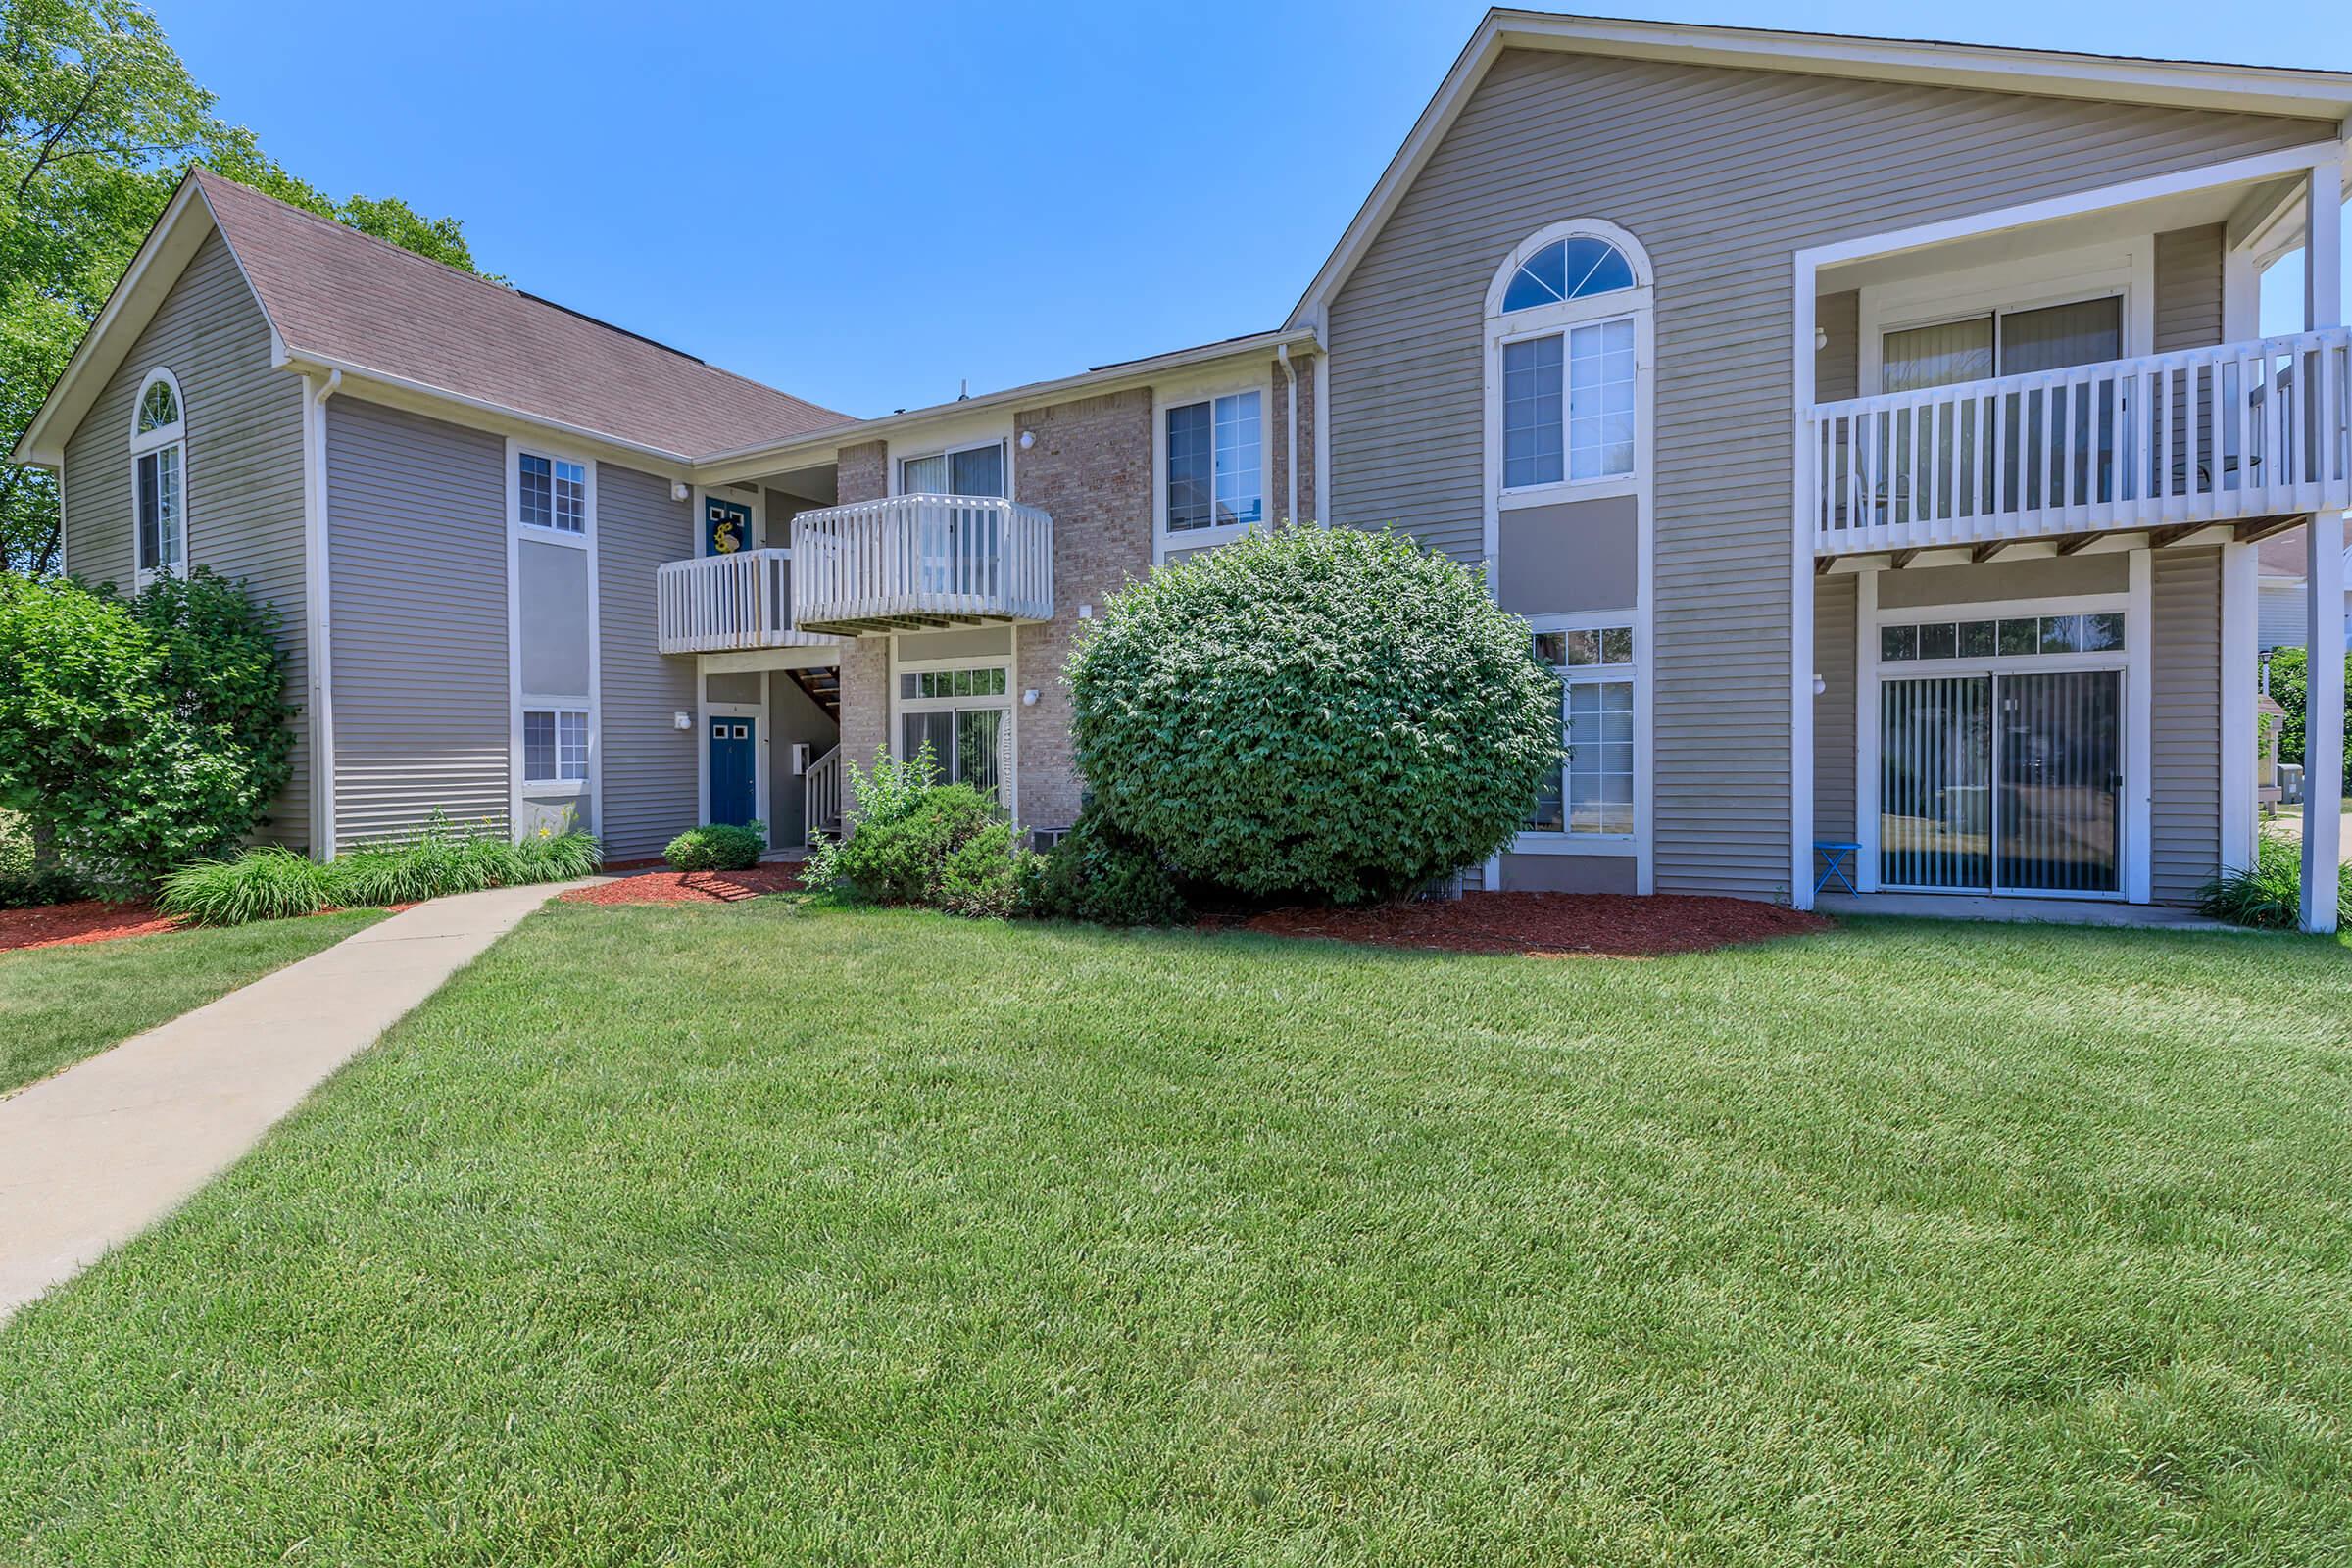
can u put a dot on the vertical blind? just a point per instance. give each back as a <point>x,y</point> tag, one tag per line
<point>2008,782</point>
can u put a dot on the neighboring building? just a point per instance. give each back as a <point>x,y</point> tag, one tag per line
<point>1873,435</point>
<point>2283,616</point>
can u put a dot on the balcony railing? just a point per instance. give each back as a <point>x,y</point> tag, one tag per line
<point>914,561</point>
<point>2234,433</point>
<point>720,603</point>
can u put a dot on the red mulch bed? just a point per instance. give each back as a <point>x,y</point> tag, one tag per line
<point>689,887</point>
<point>57,925</point>
<point>1551,925</point>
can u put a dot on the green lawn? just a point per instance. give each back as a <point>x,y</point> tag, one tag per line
<point>59,1005</point>
<point>759,1234</point>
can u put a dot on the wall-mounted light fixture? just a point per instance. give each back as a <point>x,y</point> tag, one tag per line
<point>679,489</point>
<point>1029,698</point>
<point>1821,338</point>
<point>1028,439</point>
<point>681,722</point>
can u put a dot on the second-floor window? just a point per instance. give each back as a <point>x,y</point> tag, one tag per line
<point>554,493</point>
<point>159,460</point>
<point>1215,472</point>
<point>1566,319</point>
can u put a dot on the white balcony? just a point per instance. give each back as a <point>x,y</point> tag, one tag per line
<point>2236,433</point>
<point>916,561</point>
<point>720,604</point>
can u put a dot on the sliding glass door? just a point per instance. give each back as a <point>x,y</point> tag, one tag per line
<point>2001,782</point>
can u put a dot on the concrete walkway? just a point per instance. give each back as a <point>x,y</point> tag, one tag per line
<point>96,1154</point>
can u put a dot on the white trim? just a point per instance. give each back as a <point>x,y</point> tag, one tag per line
<point>2124,269</point>
<point>1009,789</point>
<point>1182,393</point>
<point>2323,97</point>
<point>820,446</point>
<point>2239,734</point>
<point>2323,710</point>
<point>993,432</point>
<point>587,540</point>
<point>319,603</point>
<point>2134,663</point>
<point>1866,736</point>
<point>2138,872</point>
<point>169,246</point>
<point>1498,328</point>
<point>560,704</point>
<point>162,434</point>
<point>1636,843</point>
<point>2207,176</point>
<point>2324,246</point>
<point>763,740</point>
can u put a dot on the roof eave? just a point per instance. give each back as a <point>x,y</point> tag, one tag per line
<point>720,466</point>
<point>170,244</point>
<point>2323,96</point>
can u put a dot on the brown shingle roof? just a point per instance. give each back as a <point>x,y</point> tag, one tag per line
<point>340,295</point>
<point>2283,554</point>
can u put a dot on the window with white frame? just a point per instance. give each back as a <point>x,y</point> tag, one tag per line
<point>1592,793</point>
<point>159,458</point>
<point>974,470</point>
<point>554,493</point>
<point>555,745</point>
<point>1215,476</point>
<point>962,716</point>
<point>1563,321</point>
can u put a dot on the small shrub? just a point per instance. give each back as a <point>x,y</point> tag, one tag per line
<point>2269,896</point>
<point>717,847</point>
<point>918,841</point>
<point>23,881</point>
<point>981,878</point>
<point>1100,874</point>
<point>266,884</point>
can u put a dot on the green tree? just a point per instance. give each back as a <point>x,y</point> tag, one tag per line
<point>99,118</point>
<point>2290,669</point>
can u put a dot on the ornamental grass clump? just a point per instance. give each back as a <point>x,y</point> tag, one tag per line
<point>267,884</point>
<point>2269,895</point>
<point>1320,714</point>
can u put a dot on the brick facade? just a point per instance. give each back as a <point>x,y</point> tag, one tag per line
<point>863,473</point>
<point>1091,469</point>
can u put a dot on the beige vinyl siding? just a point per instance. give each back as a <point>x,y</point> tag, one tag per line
<point>244,474</point>
<point>648,775</point>
<point>1835,603</point>
<point>1721,175</point>
<point>2189,288</point>
<point>416,531</point>
<point>2184,814</point>
<point>1837,362</point>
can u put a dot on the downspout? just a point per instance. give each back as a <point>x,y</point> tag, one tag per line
<point>1323,420</point>
<point>1290,464</point>
<point>321,617</point>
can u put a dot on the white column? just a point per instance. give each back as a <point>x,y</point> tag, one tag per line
<point>2323,719</point>
<point>2241,679</point>
<point>2323,586</point>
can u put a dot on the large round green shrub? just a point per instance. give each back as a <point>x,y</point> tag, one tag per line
<point>1321,714</point>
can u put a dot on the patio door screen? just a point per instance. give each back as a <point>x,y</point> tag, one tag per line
<point>2001,782</point>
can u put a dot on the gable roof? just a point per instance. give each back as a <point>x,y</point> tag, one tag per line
<point>2322,96</point>
<point>338,299</point>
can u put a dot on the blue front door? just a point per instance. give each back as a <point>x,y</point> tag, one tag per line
<point>734,770</point>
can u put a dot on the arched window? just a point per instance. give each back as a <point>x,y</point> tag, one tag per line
<point>158,485</point>
<point>1573,268</point>
<point>1567,332</point>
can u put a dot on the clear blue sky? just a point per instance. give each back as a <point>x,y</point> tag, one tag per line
<point>864,203</point>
